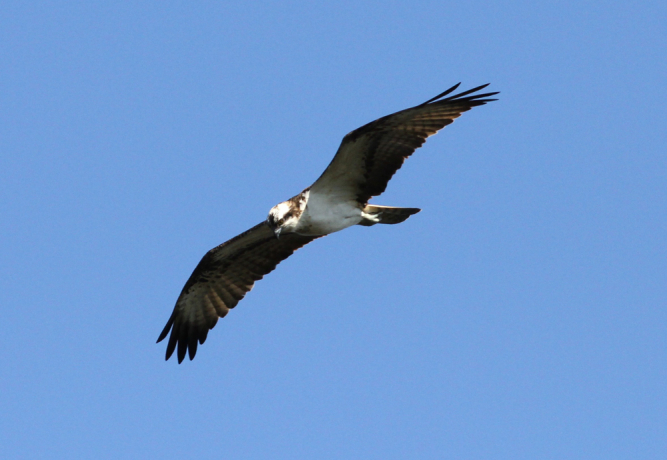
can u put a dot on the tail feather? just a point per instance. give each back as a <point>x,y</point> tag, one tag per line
<point>374,214</point>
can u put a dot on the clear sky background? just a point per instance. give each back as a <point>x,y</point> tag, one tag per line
<point>521,315</point>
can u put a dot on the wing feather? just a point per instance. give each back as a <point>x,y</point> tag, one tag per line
<point>369,156</point>
<point>222,278</point>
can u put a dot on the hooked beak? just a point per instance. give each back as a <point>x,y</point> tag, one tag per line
<point>274,226</point>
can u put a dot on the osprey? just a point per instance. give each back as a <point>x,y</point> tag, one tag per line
<point>366,159</point>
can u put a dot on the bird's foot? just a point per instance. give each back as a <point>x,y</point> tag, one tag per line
<point>373,217</point>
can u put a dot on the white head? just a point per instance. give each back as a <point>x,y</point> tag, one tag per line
<point>285,216</point>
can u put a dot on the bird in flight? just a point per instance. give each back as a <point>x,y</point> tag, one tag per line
<point>365,162</point>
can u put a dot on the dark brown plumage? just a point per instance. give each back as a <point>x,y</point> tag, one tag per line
<point>222,278</point>
<point>369,156</point>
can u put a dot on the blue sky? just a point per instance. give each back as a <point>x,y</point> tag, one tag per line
<point>520,315</point>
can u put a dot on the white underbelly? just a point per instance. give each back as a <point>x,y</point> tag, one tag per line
<point>323,216</point>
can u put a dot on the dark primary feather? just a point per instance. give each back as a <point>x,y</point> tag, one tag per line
<point>369,156</point>
<point>222,278</point>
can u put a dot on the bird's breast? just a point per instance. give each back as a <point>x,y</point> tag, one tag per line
<point>326,214</point>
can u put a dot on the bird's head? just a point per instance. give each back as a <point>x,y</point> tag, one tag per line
<point>283,217</point>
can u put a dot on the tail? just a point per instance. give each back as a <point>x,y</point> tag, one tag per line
<point>373,214</point>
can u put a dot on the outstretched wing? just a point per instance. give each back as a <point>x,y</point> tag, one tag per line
<point>369,156</point>
<point>222,278</point>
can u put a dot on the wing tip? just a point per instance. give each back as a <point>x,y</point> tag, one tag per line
<point>166,329</point>
<point>182,342</point>
<point>443,94</point>
<point>460,96</point>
